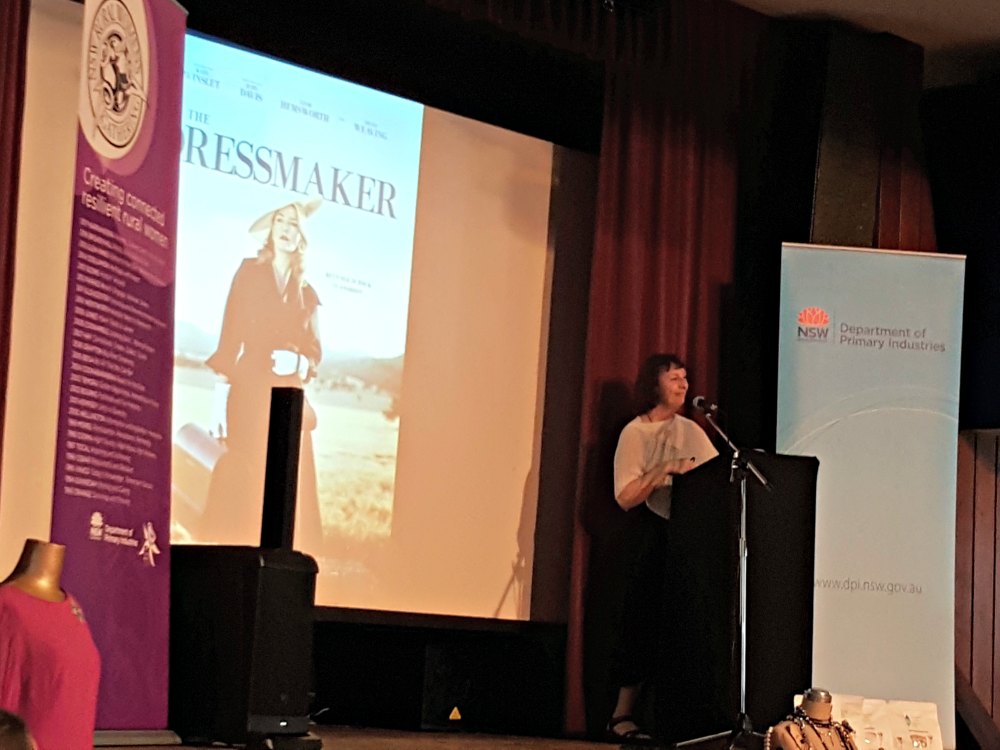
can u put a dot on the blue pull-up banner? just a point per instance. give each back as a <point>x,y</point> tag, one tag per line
<point>868,381</point>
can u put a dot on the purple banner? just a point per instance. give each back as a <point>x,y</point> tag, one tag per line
<point>111,505</point>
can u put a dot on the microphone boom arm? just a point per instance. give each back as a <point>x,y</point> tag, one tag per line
<point>738,455</point>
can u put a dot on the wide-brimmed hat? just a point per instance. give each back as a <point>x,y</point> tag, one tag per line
<point>305,210</point>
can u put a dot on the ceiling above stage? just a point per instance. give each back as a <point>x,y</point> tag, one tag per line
<point>934,24</point>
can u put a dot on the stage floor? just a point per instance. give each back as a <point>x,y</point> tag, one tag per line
<point>348,738</point>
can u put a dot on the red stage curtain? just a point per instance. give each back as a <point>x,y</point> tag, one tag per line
<point>664,247</point>
<point>905,218</point>
<point>13,46</point>
<point>677,83</point>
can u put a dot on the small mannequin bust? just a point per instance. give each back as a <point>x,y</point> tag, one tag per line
<point>39,570</point>
<point>51,667</point>
<point>810,727</point>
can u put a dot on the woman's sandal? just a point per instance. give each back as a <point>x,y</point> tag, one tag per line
<point>635,736</point>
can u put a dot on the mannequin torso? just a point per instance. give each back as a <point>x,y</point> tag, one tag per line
<point>49,665</point>
<point>38,572</point>
<point>810,727</point>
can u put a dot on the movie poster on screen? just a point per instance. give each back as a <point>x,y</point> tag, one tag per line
<point>112,475</point>
<point>868,382</point>
<point>298,197</point>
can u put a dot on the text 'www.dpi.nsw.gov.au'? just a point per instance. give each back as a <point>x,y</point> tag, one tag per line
<point>869,586</point>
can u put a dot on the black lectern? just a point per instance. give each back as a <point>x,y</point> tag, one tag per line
<point>703,676</point>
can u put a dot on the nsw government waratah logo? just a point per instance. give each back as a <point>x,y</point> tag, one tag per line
<point>96,525</point>
<point>813,325</point>
<point>114,102</point>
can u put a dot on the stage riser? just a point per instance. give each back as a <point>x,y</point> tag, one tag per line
<point>412,678</point>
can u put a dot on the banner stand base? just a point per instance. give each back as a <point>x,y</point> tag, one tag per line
<point>126,737</point>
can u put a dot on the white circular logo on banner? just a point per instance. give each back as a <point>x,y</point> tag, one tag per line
<point>113,103</point>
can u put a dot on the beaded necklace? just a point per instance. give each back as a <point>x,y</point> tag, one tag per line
<point>822,729</point>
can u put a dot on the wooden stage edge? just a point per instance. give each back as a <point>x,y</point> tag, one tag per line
<point>350,738</point>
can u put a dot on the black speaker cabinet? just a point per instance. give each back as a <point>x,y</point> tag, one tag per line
<point>241,635</point>
<point>510,683</point>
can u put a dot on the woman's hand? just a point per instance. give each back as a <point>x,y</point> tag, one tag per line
<point>639,489</point>
<point>679,465</point>
<point>663,471</point>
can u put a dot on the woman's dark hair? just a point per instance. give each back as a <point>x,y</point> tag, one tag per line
<point>13,732</point>
<point>647,385</point>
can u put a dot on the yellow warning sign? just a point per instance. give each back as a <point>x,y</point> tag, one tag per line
<point>455,715</point>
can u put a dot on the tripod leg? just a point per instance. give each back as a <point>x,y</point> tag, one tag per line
<point>741,733</point>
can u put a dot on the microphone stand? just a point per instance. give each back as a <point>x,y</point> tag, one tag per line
<point>739,468</point>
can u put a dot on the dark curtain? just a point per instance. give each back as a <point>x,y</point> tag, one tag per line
<point>13,47</point>
<point>963,153</point>
<point>635,30</point>
<point>663,254</point>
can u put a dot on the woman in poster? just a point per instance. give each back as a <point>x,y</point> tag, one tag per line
<point>269,338</point>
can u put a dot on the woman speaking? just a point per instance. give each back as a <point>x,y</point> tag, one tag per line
<point>657,444</point>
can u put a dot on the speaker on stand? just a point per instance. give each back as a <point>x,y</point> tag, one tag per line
<point>241,618</point>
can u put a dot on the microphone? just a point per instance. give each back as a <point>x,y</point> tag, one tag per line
<point>700,402</point>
